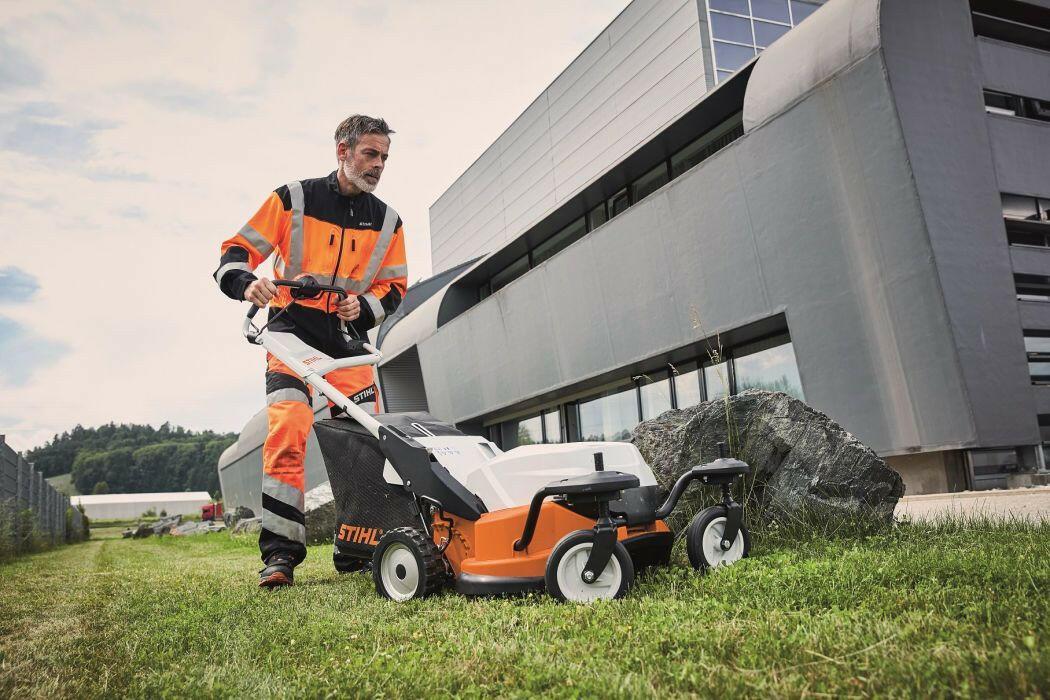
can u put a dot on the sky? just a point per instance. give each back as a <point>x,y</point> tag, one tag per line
<point>135,137</point>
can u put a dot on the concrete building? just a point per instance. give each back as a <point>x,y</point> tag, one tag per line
<point>855,210</point>
<point>127,506</point>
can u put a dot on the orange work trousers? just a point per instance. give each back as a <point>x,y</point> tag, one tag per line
<point>290,416</point>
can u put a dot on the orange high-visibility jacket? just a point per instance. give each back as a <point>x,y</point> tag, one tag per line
<point>357,243</point>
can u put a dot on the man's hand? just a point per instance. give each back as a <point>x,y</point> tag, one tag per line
<point>260,292</point>
<point>349,309</point>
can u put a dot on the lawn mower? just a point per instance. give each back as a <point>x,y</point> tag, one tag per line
<point>427,505</point>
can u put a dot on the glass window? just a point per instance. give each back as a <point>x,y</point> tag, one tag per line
<point>596,217</point>
<point>1015,237</point>
<point>776,10</point>
<point>649,183</point>
<point>1032,287</point>
<point>716,380</point>
<point>1018,207</point>
<point>1044,209</point>
<point>609,417</point>
<point>656,397</point>
<point>991,461</point>
<point>802,10</point>
<point>1039,370</point>
<point>510,273</point>
<point>552,426</point>
<point>1044,427</point>
<point>998,103</point>
<point>618,203</point>
<point>1036,343</point>
<point>773,369</point>
<point>559,241</point>
<point>738,6</point>
<point>687,386</point>
<point>724,75</point>
<point>766,33</point>
<point>526,431</point>
<point>731,56</point>
<point>731,28</point>
<point>689,156</point>
<point>1037,109</point>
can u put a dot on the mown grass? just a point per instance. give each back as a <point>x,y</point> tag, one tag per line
<point>956,609</point>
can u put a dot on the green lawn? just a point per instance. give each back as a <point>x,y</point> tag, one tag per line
<point>957,610</point>
<point>63,483</point>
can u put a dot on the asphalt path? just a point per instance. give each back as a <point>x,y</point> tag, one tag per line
<point>1027,503</point>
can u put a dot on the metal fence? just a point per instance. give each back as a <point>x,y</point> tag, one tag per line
<point>32,514</point>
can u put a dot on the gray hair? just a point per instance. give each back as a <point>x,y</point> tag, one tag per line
<point>355,126</point>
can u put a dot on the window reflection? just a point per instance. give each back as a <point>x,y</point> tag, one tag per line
<point>656,397</point>
<point>596,217</point>
<point>510,273</point>
<point>802,10</point>
<point>687,386</point>
<point>559,241</point>
<point>610,417</point>
<point>774,369</point>
<point>732,56</point>
<point>716,380</point>
<point>731,28</point>
<point>649,183</point>
<point>552,426</point>
<point>775,10</point>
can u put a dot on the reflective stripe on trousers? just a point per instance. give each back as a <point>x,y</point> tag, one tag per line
<point>290,417</point>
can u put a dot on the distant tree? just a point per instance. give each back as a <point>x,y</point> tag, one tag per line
<point>135,458</point>
<point>100,487</point>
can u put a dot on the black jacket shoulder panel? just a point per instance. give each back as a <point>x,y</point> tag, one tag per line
<point>286,199</point>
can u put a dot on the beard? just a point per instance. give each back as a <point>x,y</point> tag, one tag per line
<point>357,177</point>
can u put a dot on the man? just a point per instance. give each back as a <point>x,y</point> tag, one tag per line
<point>335,230</point>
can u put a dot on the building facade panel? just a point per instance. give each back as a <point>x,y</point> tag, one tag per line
<point>1014,69</point>
<point>1021,149</point>
<point>933,71</point>
<point>648,56</point>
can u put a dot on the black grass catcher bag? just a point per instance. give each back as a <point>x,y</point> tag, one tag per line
<point>366,505</point>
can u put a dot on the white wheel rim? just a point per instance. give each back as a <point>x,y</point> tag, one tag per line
<point>573,587</point>
<point>399,572</point>
<point>711,544</point>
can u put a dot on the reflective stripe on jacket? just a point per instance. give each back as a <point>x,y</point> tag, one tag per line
<point>354,242</point>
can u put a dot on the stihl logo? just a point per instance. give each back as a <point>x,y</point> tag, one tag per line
<point>360,535</point>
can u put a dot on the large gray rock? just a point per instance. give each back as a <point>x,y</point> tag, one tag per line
<point>804,464</point>
<point>247,526</point>
<point>321,514</point>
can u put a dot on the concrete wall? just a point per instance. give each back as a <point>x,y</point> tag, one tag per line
<point>643,71</point>
<point>935,75</point>
<point>931,472</point>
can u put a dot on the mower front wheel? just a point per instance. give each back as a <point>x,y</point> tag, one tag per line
<point>703,540</point>
<point>564,575</point>
<point>406,565</point>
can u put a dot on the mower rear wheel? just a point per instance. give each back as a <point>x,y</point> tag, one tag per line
<point>565,570</point>
<point>703,540</point>
<point>406,565</point>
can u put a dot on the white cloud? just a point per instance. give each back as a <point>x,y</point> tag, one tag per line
<point>136,136</point>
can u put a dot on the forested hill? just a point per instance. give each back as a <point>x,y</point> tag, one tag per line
<point>134,458</point>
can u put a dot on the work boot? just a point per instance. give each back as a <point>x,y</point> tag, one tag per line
<point>278,572</point>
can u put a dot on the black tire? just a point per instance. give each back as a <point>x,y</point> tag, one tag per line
<point>699,555</point>
<point>577,545</point>
<point>406,565</point>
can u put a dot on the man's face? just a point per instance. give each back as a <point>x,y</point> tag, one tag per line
<point>363,166</point>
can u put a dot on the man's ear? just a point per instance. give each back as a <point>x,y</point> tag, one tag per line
<point>341,151</point>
